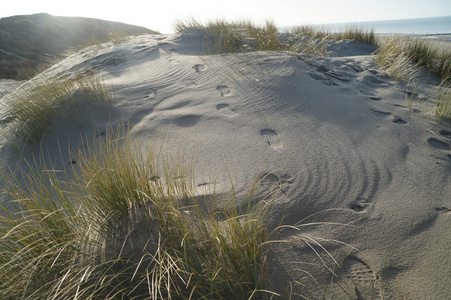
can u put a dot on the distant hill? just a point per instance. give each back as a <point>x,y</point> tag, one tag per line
<point>39,40</point>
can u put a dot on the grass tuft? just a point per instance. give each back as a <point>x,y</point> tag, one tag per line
<point>46,101</point>
<point>430,56</point>
<point>443,101</point>
<point>393,59</point>
<point>350,33</point>
<point>403,59</point>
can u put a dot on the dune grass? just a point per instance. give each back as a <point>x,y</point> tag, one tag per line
<point>122,226</point>
<point>245,36</point>
<point>442,99</point>
<point>403,59</point>
<point>400,57</point>
<point>230,37</point>
<point>46,101</point>
<point>395,61</point>
<point>323,33</point>
<point>429,55</point>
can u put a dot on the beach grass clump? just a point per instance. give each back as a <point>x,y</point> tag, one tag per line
<point>400,56</point>
<point>220,36</point>
<point>404,59</point>
<point>245,36</point>
<point>356,33</point>
<point>431,56</point>
<point>120,223</point>
<point>230,37</point>
<point>314,31</point>
<point>394,60</point>
<point>443,101</point>
<point>43,238</point>
<point>45,101</point>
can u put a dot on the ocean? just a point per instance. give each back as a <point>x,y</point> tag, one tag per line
<point>424,26</point>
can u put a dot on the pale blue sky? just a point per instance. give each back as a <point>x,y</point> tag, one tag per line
<point>159,15</point>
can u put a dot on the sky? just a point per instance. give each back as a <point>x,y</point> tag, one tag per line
<point>160,15</point>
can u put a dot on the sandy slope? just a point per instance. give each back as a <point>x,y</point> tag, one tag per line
<point>332,135</point>
<point>37,41</point>
<point>8,85</point>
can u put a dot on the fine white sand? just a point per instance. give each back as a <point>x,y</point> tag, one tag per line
<point>332,137</point>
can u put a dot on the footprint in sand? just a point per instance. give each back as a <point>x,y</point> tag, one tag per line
<point>376,79</point>
<point>392,117</point>
<point>272,138</point>
<point>445,133</point>
<point>438,144</point>
<point>317,76</point>
<point>152,94</point>
<point>113,60</point>
<point>340,75</point>
<point>205,188</point>
<point>414,95</point>
<point>189,82</point>
<point>363,277</point>
<point>364,91</point>
<point>187,120</point>
<point>224,90</point>
<point>326,79</point>
<point>442,210</point>
<point>271,182</point>
<point>199,68</point>
<point>225,109</point>
<point>173,61</point>
<point>359,205</point>
<point>329,82</point>
<point>398,120</point>
<point>356,68</point>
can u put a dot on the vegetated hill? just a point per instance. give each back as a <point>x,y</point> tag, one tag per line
<point>41,39</point>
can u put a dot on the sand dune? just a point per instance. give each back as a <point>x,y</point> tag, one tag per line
<point>37,41</point>
<point>330,135</point>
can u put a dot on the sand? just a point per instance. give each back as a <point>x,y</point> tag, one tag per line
<point>8,85</point>
<point>331,136</point>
